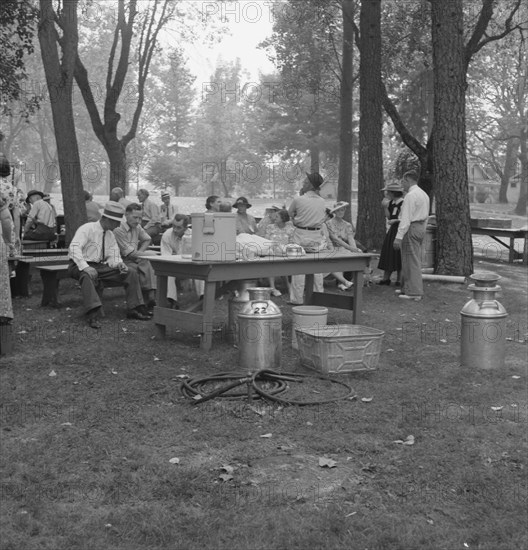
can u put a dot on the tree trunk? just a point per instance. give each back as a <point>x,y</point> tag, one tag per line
<point>344,183</point>
<point>59,79</point>
<point>314,157</point>
<point>117,156</point>
<point>371,220</point>
<point>520,209</point>
<point>454,251</point>
<point>509,163</point>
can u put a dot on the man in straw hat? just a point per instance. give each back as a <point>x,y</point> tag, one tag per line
<point>94,258</point>
<point>410,235</point>
<point>41,223</point>
<point>168,210</point>
<point>308,213</point>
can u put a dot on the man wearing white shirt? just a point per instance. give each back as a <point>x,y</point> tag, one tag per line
<point>411,233</point>
<point>94,258</point>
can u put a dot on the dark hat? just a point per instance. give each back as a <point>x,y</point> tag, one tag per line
<point>393,186</point>
<point>242,200</point>
<point>5,167</point>
<point>46,197</point>
<point>315,179</point>
<point>113,211</point>
<point>34,192</point>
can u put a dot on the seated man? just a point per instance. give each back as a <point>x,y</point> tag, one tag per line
<point>171,243</point>
<point>150,216</point>
<point>41,223</point>
<point>168,211</point>
<point>94,258</point>
<point>133,241</point>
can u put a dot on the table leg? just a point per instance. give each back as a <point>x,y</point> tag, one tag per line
<point>161,300</point>
<point>358,296</point>
<point>511,255</point>
<point>50,290</point>
<point>207,317</point>
<point>308,288</point>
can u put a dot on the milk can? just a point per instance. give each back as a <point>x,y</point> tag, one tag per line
<point>236,304</point>
<point>483,331</point>
<point>260,332</point>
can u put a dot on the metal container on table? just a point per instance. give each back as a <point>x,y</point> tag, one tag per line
<point>483,325</point>
<point>260,332</point>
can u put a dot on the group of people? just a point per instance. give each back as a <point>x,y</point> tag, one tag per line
<point>113,244</point>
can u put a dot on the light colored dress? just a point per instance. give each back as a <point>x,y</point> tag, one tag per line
<point>7,197</point>
<point>281,235</point>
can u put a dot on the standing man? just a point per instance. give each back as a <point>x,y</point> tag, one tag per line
<point>410,235</point>
<point>171,243</point>
<point>168,211</point>
<point>308,213</point>
<point>150,218</point>
<point>94,258</point>
<point>41,223</point>
<point>133,241</point>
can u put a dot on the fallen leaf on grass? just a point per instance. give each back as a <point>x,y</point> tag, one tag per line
<point>157,359</point>
<point>66,424</point>
<point>182,376</point>
<point>22,332</point>
<point>496,408</point>
<point>408,441</point>
<point>367,399</point>
<point>390,349</point>
<point>327,462</point>
<point>52,373</point>
<point>197,397</point>
<point>225,477</point>
<point>113,371</point>
<point>515,377</point>
<point>260,412</point>
<point>266,435</point>
<point>228,469</point>
<point>351,514</point>
<point>174,460</point>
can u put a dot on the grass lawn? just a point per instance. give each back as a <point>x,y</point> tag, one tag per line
<point>91,420</point>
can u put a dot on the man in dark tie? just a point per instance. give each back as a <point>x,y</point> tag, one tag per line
<point>95,258</point>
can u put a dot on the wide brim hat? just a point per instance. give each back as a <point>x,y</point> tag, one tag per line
<point>165,194</point>
<point>394,186</point>
<point>113,211</point>
<point>338,206</point>
<point>243,201</point>
<point>46,197</point>
<point>315,179</point>
<point>34,192</point>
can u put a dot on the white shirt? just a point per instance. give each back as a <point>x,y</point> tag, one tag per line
<point>86,246</point>
<point>415,208</point>
<point>171,244</point>
<point>308,210</point>
<point>167,213</point>
<point>42,212</point>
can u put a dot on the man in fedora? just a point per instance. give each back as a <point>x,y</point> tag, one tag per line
<point>168,210</point>
<point>94,258</point>
<point>245,223</point>
<point>308,213</point>
<point>41,223</point>
<point>410,235</point>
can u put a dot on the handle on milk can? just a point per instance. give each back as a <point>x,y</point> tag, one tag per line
<point>489,304</point>
<point>208,226</point>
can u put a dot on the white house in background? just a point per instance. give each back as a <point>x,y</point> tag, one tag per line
<point>484,184</point>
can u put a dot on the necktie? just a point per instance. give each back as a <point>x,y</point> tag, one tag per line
<point>103,248</point>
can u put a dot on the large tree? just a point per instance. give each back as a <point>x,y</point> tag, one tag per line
<point>146,25</point>
<point>371,226</point>
<point>60,28</point>
<point>449,146</point>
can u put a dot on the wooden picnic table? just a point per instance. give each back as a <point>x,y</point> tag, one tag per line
<point>496,233</point>
<point>213,272</point>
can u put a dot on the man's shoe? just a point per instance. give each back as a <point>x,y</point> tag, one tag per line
<point>94,323</point>
<point>384,282</point>
<point>173,304</point>
<point>407,297</point>
<point>136,314</point>
<point>151,304</point>
<point>145,310</point>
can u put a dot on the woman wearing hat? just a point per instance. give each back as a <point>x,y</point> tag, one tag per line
<point>342,237</point>
<point>245,223</point>
<point>390,259</point>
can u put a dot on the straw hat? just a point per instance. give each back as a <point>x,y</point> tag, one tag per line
<point>113,211</point>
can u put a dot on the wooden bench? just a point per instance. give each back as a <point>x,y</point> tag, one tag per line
<point>45,252</point>
<point>34,245</point>
<point>51,275</point>
<point>20,284</point>
<point>496,233</point>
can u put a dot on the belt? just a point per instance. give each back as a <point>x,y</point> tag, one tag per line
<point>308,228</point>
<point>419,221</point>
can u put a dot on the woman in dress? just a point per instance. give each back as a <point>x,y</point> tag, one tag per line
<point>8,238</point>
<point>342,237</point>
<point>390,259</point>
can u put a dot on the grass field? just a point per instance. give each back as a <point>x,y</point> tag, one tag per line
<point>90,421</point>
